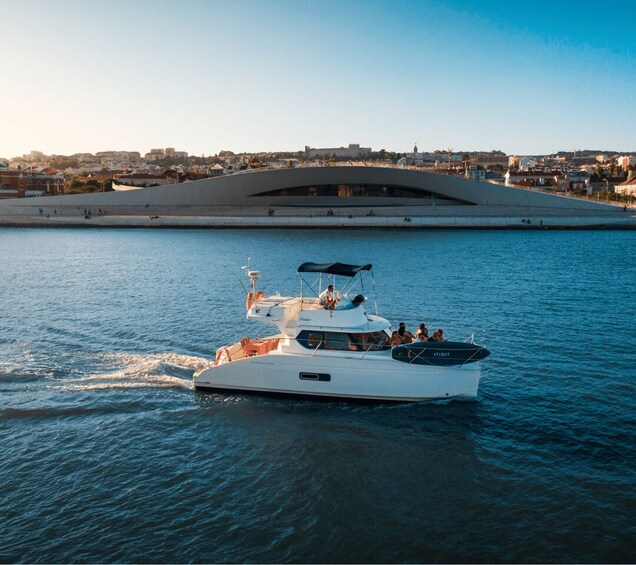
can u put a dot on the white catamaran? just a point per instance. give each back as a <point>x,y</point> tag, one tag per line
<point>336,348</point>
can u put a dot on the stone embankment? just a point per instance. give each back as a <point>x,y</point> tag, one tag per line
<point>627,221</point>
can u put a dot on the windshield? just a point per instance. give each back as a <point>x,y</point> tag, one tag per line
<point>372,341</point>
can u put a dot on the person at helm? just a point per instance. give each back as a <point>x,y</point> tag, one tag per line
<point>327,298</point>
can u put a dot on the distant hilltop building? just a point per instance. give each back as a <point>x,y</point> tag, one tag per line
<point>122,156</point>
<point>167,153</point>
<point>475,172</point>
<point>34,156</point>
<point>447,159</point>
<point>354,150</point>
<point>489,160</point>
<point>522,163</point>
<point>624,162</point>
<point>527,163</point>
<point>418,158</point>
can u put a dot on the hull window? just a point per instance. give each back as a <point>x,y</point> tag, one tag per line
<point>315,377</point>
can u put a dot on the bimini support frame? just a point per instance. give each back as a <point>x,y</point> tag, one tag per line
<point>355,274</point>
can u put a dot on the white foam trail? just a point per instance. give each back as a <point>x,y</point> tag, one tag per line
<point>155,381</point>
<point>137,371</point>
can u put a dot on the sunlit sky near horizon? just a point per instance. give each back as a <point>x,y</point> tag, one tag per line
<point>524,77</point>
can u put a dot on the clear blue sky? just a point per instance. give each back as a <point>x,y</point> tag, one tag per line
<point>523,77</point>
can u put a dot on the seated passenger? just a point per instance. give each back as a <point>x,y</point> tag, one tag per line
<point>327,299</point>
<point>423,337</point>
<point>401,336</point>
<point>407,334</point>
<point>422,327</point>
<point>358,299</point>
<point>355,343</point>
<point>438,335</point>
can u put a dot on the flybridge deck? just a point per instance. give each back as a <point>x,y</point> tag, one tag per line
<point>290,314</point>
<point>275,308</point>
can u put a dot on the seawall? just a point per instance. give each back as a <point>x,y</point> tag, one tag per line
<point>340,222</point>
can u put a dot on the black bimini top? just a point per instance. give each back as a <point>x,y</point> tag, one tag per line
<point>340,269</point>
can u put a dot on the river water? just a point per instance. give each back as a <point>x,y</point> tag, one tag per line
<point>109,455</point>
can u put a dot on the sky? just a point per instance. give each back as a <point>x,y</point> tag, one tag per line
<point>529,77</point>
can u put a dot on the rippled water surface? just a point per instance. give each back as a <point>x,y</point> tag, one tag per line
<point>109,455</point>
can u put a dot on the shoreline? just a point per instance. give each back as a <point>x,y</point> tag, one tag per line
<point>322,222</point>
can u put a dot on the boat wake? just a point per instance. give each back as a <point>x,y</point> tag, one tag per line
<point>125,370</point>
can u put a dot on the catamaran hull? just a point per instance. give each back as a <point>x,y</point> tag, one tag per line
<point>373,378</point>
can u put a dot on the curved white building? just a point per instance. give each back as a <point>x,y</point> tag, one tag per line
<point>327,196</point>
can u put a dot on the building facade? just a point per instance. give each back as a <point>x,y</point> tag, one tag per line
<point>18,183</point>
<point>624,162</point>
<point>348,192</point>
<point>352,152</point>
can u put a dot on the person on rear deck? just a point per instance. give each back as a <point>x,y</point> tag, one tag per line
<point>327,299</point>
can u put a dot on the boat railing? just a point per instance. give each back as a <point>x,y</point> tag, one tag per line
<point>367,351</point>
<point>470,358</point>
<point>287,302</point>
<point>317,346</point>
<point>245,348</point>
<point>257,347</point>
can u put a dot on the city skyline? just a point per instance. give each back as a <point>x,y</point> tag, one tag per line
<point>352,151</point>
<point>88,77</point>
